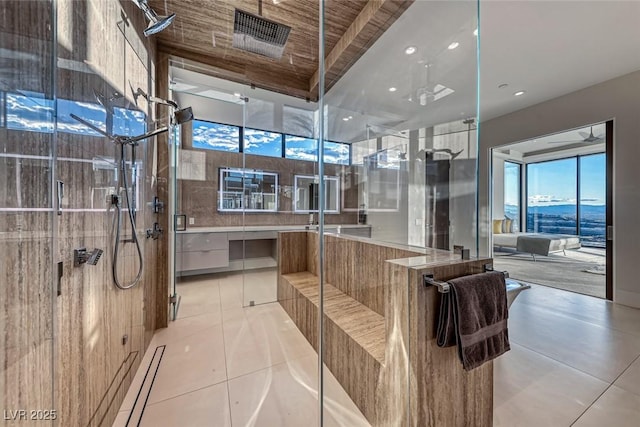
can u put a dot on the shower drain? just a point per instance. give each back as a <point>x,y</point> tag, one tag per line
<point>135,416</point>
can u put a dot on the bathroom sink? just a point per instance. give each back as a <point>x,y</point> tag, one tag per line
<point>514,288</point>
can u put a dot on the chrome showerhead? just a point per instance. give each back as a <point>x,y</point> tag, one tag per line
<point>161,22</point>
<point>183,116</point>
<point>156,23</point>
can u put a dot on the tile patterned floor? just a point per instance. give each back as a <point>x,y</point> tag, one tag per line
<point>575,360</point>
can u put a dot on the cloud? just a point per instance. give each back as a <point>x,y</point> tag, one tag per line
<point>301,153</point>
<point>217,137</point>
<point>545,199</point>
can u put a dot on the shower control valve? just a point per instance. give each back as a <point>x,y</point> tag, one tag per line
<point>158,206</point>
<point>155,232</point>
<point>81,256</point>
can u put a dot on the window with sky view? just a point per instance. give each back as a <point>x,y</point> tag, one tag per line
<point>553,205</point>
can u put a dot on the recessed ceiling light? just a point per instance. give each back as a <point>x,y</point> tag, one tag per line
<point>475,32</point>
<point>520,92</point>
<point>503,85</point>
<point>392,89</point>
<point>410,50</point>
<point>453,45</point>
<point>238,94</point>
<point>350,117</point>
<point>346,119</point>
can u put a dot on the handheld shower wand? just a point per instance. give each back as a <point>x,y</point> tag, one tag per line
<point>122,142</point>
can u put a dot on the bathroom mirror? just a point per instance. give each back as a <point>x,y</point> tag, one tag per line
<point>247,190</point>
<point>307,191</point>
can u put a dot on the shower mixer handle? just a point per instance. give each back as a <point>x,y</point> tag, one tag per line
<point>81,256</point>
<point>155,232</point>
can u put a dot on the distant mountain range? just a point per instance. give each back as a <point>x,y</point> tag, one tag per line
<point>561,219</point>
<point>560,210</point>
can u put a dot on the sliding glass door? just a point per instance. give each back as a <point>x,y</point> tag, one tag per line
<point>593,189</point>
<point>567,196</point>
<point>552,189</point>
<point>512,197</point>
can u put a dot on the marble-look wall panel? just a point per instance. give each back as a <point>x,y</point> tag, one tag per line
<point>415,382</point>
<point>363,281</point>
<point>443,390</point>
<point>199,199</point>
<point>160,178</point>
<point>101,331</point>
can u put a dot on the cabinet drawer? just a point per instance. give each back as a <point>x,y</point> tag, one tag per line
<point>201,242</point>
<point>253,235</point>
<point>202,260</point>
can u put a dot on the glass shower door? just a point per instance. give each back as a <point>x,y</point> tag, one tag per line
<point>407,105</point>
<point>208,200</point>
<point>29,270</point>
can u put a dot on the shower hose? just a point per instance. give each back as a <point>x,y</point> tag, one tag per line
<point>134,236</point>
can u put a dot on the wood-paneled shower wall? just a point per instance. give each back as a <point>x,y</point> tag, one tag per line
<point>66,353</point>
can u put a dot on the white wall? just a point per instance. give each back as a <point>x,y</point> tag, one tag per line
<point>617,99</point>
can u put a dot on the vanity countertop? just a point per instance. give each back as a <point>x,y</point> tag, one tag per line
<point>249,228</point>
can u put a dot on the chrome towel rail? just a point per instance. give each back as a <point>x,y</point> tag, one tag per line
<point>443,287</point>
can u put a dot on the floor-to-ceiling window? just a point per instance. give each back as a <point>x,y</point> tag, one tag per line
<point>552,189</point>
<point>565,196</point>
<point>593,188</point>
<point>512,186</point>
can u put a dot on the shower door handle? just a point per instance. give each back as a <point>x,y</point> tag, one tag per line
<point>59,196</point>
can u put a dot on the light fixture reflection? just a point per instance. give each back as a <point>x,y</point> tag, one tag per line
<point>453,45</point>
<point>410,50</point>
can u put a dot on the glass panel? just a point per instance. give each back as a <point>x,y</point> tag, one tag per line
<point>336,152</point>
<point>407,110</point>
<point>593,187</point>
<point>512,184</point>
<point>552,196</point>
<point>28,237</point>
<point>215,136</point>
<point>300,148</point>
<point>212,192</point>
<point>262,143</point>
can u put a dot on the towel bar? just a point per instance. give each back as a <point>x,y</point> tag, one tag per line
<point>443,287</point>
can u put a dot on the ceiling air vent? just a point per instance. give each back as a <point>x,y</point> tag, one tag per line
<point>256,34</point>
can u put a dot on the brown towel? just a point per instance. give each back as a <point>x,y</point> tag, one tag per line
<point>474,315</point>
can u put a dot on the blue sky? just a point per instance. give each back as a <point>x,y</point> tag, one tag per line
<point>32,112</point>
<point>554,182</point>
<point>216,136</point>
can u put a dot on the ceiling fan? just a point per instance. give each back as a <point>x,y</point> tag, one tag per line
<point>589,138</point>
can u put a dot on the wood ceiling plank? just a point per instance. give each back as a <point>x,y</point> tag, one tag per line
<point>203,30</point>
<point>239,72</point>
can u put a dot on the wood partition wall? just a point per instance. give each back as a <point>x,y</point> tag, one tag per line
<point>380,328</point>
